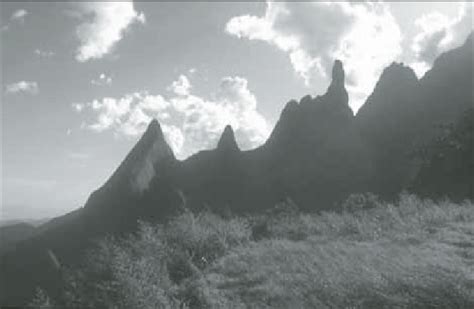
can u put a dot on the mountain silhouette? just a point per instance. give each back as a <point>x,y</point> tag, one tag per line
<point>403,113</point>
<point>318,153</point>
<point>227,142</point>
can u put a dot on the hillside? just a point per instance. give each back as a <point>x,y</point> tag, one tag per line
<point>413,253</point>
<point>13,233</point>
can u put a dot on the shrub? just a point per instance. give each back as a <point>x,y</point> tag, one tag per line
<point>41,300</point>
<point>144,270</point>
<point>360,201</point>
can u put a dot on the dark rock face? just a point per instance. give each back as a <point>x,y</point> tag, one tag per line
<point>227,141</point>
<point>149,162</point>
<point>315,154</point>
<point>404,113</point>
<point>147,159</point>
<point>386,122</point>
<point>448,168</point>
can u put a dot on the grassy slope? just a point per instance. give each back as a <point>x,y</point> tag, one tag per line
<point>412,254</point>
<point>415,254</point>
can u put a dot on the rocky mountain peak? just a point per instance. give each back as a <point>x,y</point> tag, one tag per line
<point>338,74</point>
<point>336,95</point>
<point>398,72</point>
<point>144,161</point>
<point>227,141</point>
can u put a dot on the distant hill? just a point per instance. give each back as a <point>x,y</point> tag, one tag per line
<point>13,233</point>
<point>317,155</point>
<point>34,222</point>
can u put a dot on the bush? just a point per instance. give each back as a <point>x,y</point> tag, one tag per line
<point>41,300</point>
<point>144,270</point>
<point>360,201</point>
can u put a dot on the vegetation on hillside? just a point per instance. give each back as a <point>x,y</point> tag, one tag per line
<point>448,166</point>
<point>412,253</point>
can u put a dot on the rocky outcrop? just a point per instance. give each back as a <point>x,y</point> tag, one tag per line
<point>227,142</point>
<point>145,161</point>
<point>315,154</point>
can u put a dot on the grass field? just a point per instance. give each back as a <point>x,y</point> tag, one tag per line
<point>410,254</point>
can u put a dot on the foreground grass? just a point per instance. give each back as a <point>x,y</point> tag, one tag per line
<point>410,254</point>
<point>415,254</point>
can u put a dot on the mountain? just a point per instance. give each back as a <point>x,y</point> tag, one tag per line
<point>387,122</point>
<point>110,208</point>
<point>315,154</point>
<point>404,113</point>
<point>310,154</point>
<point>318,153</point>
<point>33,222</point>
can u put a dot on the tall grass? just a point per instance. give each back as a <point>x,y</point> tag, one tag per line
<point>412,253</point>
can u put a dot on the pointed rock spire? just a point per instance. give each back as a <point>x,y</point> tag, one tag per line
<point>150,154</point>
<point>336,93</point>
<point>338,74</point>
<point>227,141</point>
<point>153,132</point>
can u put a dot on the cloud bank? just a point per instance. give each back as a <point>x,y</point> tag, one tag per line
<point>190,122</point>
<point>104,25</point>
<point>365,36</point>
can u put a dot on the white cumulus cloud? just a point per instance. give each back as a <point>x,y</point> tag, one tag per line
<point>103,26</point>
<point>365,36</point>
<point>190,122</point>
<point>182,86</point>
<point>22,86</point>
<point>438,33</point>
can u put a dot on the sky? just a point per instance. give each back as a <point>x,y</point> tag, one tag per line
<point>81,81</point>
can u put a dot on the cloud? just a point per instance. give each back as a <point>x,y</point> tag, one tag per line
<point>102,80</point>
<point>190,122</point>
<point>44,53</point>
<point>438,33</point>
<point>19,15</point>
<point>22,86</point>
<point>104,25</point>
<point>181,87</point>
<point>365,36</point>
